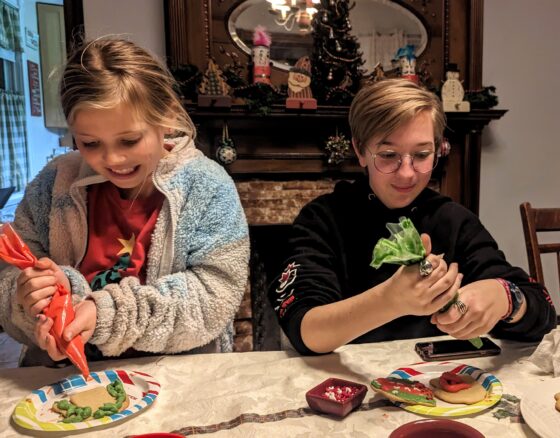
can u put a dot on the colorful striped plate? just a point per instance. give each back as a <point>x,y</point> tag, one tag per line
<point>425,371</point>
<point>34,412</point>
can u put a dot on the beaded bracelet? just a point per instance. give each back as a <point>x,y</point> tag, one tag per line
<point>505,285</point>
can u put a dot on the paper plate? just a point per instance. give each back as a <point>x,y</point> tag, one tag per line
<point>424,372</point>
<point>34,412</point>
<point>537,408</point>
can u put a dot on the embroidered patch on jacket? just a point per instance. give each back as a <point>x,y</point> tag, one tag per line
<point>285,297</point>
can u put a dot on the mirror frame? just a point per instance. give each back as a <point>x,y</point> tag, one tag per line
<point>198,30</point>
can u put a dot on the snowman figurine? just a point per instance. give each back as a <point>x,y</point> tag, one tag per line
<point>452,92</point>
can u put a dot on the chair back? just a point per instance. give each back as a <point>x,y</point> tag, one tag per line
<point>538,220</point>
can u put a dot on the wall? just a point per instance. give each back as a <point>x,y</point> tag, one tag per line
<point>141,20</point>
<point>521,152</point>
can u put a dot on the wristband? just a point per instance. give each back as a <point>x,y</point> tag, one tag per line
<point>516,298</point>
<point>505,285</point>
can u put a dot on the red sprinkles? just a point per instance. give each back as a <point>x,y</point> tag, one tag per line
<point>340,393</point>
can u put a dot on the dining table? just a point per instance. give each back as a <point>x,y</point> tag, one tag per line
<point>262,394</point>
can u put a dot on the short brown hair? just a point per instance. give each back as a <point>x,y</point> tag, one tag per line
<point>382,107</point>
<point>107,71</point>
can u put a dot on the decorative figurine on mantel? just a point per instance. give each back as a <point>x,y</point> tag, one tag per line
<point>213,90</point>
<point>299,86</point>
<point>407,62</point>
<point>452,92</point>
<point>261,55</point>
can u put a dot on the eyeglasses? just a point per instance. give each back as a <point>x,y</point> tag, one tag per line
<point>390,162</point>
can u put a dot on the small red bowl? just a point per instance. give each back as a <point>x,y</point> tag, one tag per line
<point>319,402</point>
<point>435,429</point>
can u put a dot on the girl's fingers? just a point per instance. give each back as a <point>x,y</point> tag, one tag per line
<point>471,331</point>
<point>45,340</point>
<point>52,349</point>
<point>38,307</point>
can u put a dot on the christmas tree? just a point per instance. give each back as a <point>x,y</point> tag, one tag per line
<point>336,58</point>
<point>213,90</point>
<point>213,82</point>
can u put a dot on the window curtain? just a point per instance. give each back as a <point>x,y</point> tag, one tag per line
<point>14,161</point>
<point>10,35</point>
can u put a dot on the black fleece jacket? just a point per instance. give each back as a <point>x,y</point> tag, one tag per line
<point>331,246</point>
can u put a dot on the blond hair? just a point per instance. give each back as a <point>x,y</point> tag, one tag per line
<point>103,73</point>
<point>381,108</point>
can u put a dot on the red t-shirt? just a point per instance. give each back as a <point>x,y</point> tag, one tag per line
<point>120,233</point>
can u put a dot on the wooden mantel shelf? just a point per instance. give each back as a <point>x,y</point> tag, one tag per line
<point>289,145</point>
<point>478,117</point>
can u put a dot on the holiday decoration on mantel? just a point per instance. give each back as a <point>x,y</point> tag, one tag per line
<point>452,92</point>
<point>226,152</point>
<point>213,90</point>
<point>484,98</point>
<point>337,146</point>
<point>406,59</point>
<point>336,58</point>
<point>299,86</point>
<point>261,55</point>
<point>188,77</point>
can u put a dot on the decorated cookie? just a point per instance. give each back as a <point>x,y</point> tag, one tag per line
<point>458,388</point>
<point>403,390</point>
<point>557,398</point>
<point>95,403</point>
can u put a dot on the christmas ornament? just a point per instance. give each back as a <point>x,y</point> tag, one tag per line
<point>336,146</point>
<point>226,152</point>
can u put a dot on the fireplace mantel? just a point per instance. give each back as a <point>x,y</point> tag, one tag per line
<point>285,151</point>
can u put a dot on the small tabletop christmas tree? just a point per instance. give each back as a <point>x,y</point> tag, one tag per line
<point>336,58</point>
<point>213,89</point>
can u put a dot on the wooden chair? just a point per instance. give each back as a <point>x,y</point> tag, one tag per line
<point>537,220</point>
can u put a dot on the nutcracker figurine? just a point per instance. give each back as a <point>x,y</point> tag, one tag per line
<point>261,55</point>
<point>407,62</point>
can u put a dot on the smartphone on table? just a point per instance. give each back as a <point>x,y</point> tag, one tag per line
<point>455,349</point>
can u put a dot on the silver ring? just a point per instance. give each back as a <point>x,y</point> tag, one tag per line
<point>461,307</point>
<point>426,268</point>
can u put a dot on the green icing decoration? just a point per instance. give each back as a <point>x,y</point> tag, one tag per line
<point>403,247</point>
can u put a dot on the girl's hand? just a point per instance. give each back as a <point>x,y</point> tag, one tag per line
<point>83,325</point>
<point>36,286</point>
<point>412,294</point>
<point>486,302</point>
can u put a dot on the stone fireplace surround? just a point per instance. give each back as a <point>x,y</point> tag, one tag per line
<point>270,207</point>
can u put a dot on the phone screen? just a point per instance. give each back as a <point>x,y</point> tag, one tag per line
<point>455,348</point>
<point>457,345</point>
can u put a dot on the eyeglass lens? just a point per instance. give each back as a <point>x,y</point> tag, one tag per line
<point>389,162</point>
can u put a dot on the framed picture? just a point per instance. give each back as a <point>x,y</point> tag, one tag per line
<point>34,88</point>
<point>52,47</point>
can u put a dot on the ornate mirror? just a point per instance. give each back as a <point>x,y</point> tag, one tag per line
<point>382,27</point>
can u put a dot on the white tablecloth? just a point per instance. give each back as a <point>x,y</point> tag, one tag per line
<point>201,390</point>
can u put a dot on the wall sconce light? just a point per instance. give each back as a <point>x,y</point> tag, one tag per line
<point>288,13</point>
